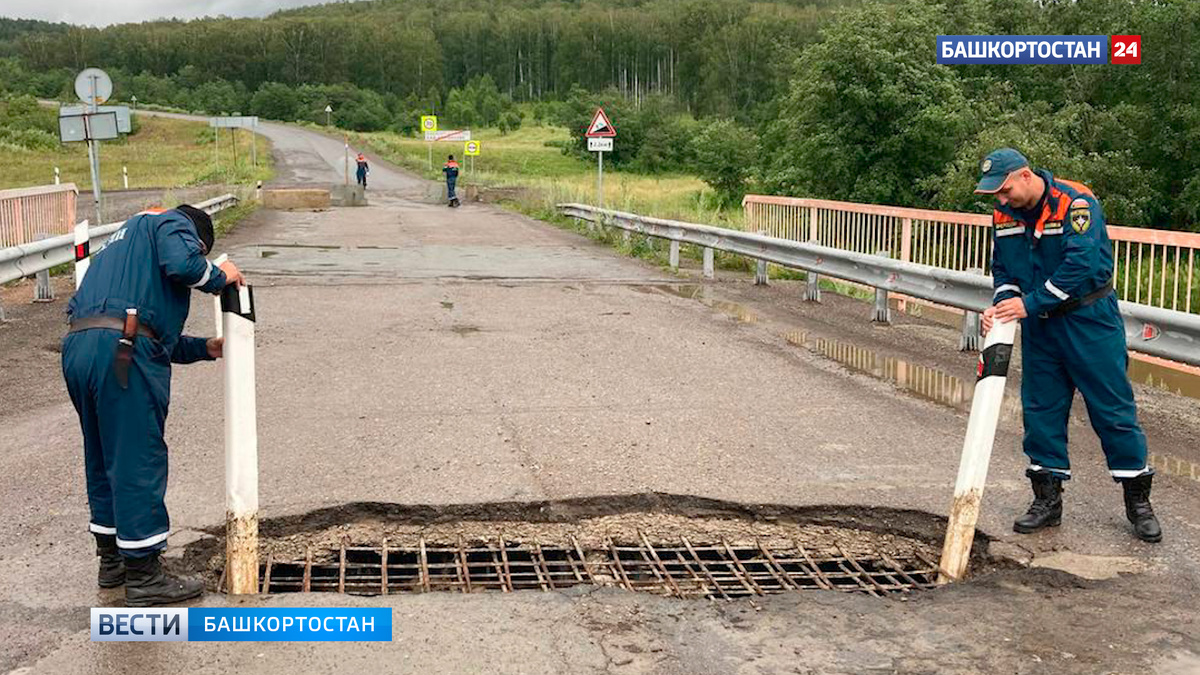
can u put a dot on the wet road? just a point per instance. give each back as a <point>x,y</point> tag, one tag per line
<point>413,354</point>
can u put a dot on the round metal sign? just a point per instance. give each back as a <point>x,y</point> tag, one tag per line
<point>93,86</point>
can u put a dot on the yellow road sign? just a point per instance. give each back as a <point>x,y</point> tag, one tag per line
<point>472,148</point>
<point>428,122</point>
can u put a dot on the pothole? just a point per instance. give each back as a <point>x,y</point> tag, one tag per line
<point>718,551</point>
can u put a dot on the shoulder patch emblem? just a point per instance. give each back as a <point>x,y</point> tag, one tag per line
<point>1080,203</point>
<point>1081,219</point>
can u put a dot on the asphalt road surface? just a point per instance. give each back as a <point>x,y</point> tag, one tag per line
<point>414,355</point>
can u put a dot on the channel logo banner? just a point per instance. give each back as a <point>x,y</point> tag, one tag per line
<point>228,624</point>
<point>1022,49</point>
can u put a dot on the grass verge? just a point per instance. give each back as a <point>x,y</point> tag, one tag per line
<point>162,153</point>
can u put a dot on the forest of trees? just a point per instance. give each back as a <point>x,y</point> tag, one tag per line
<point>840,99</point>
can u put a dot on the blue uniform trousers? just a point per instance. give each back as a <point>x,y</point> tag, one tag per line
<point>125,455</point>
<point>1082,350</point>
<point>450,188</point>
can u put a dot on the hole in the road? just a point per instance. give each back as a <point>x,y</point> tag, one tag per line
<point>681,568</point>
<point>267,254</point>
<point>697,548</point>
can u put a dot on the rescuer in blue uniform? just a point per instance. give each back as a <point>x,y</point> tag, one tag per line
<point>362,170</point>
<point>1052,265</point>
<point>451,171</point>
<point>126,323</point>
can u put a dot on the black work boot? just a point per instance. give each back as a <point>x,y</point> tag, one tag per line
<point>112,566</point>
<point>147,584</point>
<point>1046,509</point>
<point>1138,509</point>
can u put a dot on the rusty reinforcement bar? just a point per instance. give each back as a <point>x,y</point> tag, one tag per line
<point>715,570</point>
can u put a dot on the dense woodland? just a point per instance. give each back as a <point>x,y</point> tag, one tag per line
<point>839,99</point>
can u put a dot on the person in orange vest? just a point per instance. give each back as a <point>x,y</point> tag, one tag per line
<point>1052,269</point>
<point>363,170</point>
<point>451,171</point>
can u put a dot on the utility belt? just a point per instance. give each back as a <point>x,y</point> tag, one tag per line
<point>1068,306</point>
<point>130,329</point>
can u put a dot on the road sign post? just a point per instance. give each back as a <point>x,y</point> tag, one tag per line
<point>429,123</point>
<point>471,149</point>
<point>93,86</point>
<point>600,135</point>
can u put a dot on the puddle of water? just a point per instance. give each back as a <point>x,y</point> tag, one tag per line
<point>1174,466</point>
<point>700,294</point>
<point>267,254</point>
<point>323,247</point>
<point>1163,377</point>
<point>924,382</point>
<point>447,304</point>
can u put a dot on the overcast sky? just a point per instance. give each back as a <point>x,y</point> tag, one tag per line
<point>105,12</point>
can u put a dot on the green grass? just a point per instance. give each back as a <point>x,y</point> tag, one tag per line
<point>164,153</point>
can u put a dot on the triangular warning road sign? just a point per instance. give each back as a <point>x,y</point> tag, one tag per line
<point>600,126</point>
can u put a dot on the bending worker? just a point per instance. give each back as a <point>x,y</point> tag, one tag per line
<point>451,171</point>
<point>1052,265</point>
<point>126,319</point>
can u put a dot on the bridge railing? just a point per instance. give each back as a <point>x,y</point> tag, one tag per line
<point>1151,267</point>
<point>1156,331</point>
<point>27,213</point>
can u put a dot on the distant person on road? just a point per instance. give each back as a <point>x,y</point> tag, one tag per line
<point>126,321</point>
<point>362,170</point>
<point>1052,268</point>
<point>451,171</point>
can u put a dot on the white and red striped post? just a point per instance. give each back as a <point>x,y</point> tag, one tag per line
<point>977,450</point>
<point>82,252</point>
<point>241,442</point>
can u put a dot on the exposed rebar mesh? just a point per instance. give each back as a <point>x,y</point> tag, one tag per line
<point>682,570</point>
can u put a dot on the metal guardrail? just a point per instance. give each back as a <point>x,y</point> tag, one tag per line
<point>1150,330</point>
<point>29,259</point>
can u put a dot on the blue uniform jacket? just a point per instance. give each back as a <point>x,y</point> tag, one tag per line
<point>1064,253</point>
<point>152,263</point>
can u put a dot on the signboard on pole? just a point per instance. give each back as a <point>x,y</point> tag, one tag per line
<point>124,124</point>
<point>428,123</point>
<point>93,86</point>
<point>234,122</point>
<point>600,126</point>
<point>100,126</point>
<point>471,148</point>
<point>600,145</point>
<point>448,135</point>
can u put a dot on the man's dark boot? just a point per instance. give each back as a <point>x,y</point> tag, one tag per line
<point>112,566</point>
<point>1046,509</point>
<point>147,584</point>
<point>1138,509</point>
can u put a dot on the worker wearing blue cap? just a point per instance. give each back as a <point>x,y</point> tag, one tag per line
<point>1052,267</point>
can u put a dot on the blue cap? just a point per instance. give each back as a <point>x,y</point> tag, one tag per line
<point>994,169</point>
